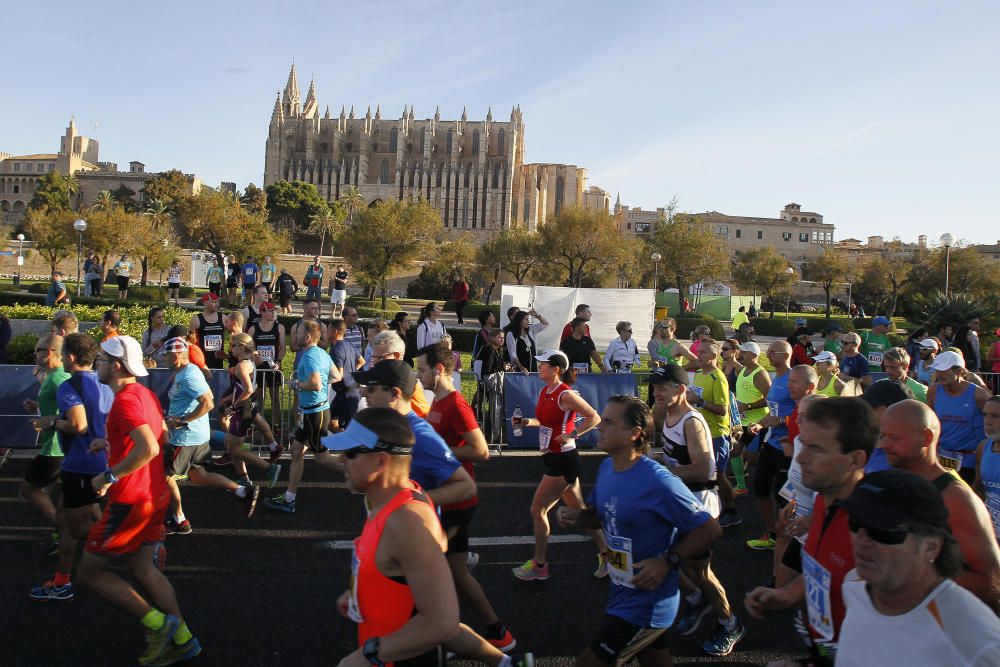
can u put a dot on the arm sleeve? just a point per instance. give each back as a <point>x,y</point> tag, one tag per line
<point>609,355</point>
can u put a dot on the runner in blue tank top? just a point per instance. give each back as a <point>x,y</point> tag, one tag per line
<point>959,406</point>
<point>987,483</point>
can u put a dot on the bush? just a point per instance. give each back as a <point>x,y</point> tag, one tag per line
<point>376,304</point>
<point>371,313</point>
<point>187,292</point>
<point>21,349</point>
<point>779,326</point>
<point>40,288</point>
<point>15,298</point>
<point>685,325</point>
<point>151,293</point>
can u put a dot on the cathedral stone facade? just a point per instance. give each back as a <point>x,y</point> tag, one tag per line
<point>472,172</point>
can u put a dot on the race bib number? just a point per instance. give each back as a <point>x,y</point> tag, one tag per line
<point>582,368</point>
<point>266,352</point>
<point>875,358</point>
<point>697,391</point>
<point>353,609</point>
<point>817,579</point>
<point>950,460</point>
<point>772,406</point>
<point>212,343</point>
<point>787,491</point>
<point>544,437</point>
<point>620,560</point>
<point>993,506</point>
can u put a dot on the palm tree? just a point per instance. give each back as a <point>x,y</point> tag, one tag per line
<point>160,217</point>
<point>352,201</point>
<point>327,221</point>
<point>73,187</point>
<point>104,201</point>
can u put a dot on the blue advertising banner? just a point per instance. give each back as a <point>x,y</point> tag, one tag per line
<point>596,389</point>
<point>17,383</point>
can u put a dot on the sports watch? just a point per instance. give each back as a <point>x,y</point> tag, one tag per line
<point>370,651</point>
<point>110,477</point>
<point>672,558</point>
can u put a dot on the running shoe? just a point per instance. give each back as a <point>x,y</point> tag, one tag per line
<point>763,543</point>
<point>53,547</point>
<point>279,503</point>
<point>272,474</point>
<point>275,454</point>
<point>250,500</point>
<point>158,641</point>
<point>471,560</point>
<point>531,572</point>
<point>178,653</point>
<point>738,492</point>
<point>723,641</point>
<point>49,592</point>
<point>222,459</point>
<point>175,527</point>
<point>160,556</point>
<point>504,642</point>
<point>692,618</point>
<point>602,567</point>
<point>523,660</point>
<point>730,517</point>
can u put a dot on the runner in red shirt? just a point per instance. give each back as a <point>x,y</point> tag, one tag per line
<point>453,419</point>
<point>132,522</point>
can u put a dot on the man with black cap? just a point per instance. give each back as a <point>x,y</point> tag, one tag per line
<point>902,606</point>
<point>909,435</point>
<point>688,453</point>
<point>837,434</point>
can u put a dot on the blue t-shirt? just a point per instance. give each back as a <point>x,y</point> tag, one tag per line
<point>433,462</point>
<point>345,357</point>
<point>189,383</point>
<point>781,405</point>
<point>856,366</point>
<point>55,289</point>
<point>314,360</point>
<point>644,511</point>
<point>250,273</point>
<point>96,401</point>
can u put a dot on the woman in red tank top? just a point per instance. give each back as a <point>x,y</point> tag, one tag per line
<point>556,419</point>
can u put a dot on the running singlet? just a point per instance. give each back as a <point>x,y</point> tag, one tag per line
<point>452,417</point>
<point>873,346</point>
<point>253,317</point>
<point>210,336</point>
<point>827,557</point>
<point>675,448</point>
<point>554,421</point>
<point>644,510</point>
<point>780,404</point>
<point>249,274</point>
<point>380,605</point>
<point>266,341</point>
<point>747,393</point>
<point>961,427</point>
<point>830,389</point>
<point>989,471</point>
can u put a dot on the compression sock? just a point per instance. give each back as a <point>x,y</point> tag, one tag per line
<point>60,579</point>
<point>273,446</point>
<point>183,635</point>
<point>153,620</point>
<point>740,471</point>
<point>289,497</point>
<point>179,517</point>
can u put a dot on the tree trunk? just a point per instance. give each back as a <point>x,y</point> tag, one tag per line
<point>322,242</point>
<point>144,262</point>
<point>827,290</point>
<point>770,300</point>
<point>384,297</point>
<point>680,297</point>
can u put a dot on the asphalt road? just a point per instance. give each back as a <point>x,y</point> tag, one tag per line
<point>259,592</point>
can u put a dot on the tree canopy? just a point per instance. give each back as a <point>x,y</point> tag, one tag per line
<point>764,270</point>
<point>827,268</point>
<point>53,192</point>
<point>171,187</point>
<point>577,245</point>
<point>691,252</point>
<point>292,204</point>
<point>218,223</point>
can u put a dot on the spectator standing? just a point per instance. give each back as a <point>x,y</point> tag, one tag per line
<point>460,295</point>
<point>97,281</point>
<point>429,328</point>
<point>314,282</point>
<point>520,340</point>
<point>268,273</point>
<point>123,271</point>
<point>57,294</point>
<point>582,313</point>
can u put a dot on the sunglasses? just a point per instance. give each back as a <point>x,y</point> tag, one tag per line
<point>728,349</point>
<point>355,451</point>
<point>380,446</point>
<point>43,349</point>
<point>850,342</point>
<point>890,536</point>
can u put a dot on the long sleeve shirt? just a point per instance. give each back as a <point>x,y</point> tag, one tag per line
<point>624,352</point>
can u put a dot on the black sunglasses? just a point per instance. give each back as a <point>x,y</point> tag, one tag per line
<point>380,446</point>
<point>889,536</point>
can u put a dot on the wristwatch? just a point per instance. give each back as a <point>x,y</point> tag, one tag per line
<point>672,558</point>
<point>370,651</point>
<point>109,477</point>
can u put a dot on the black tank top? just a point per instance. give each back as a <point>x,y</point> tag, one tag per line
<point>253,317</point>
<point>265,341</point>
<point>213,332</point>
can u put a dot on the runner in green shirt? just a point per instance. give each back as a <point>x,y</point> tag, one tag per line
<point>832,344</point>
<point>874,343</point>
<point>43,471</point>
<point>896,362</point>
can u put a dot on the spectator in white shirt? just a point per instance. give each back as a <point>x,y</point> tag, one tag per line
<point>622,352</point>
<point>520,340</point>
<point>429,328</point>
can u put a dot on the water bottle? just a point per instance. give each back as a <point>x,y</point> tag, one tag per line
<point>515,421</point>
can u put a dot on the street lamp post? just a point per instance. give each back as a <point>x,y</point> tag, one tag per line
<point>947,240</point>
<point>20,259</point>
<point>656,257</point>
<point>80,226</point>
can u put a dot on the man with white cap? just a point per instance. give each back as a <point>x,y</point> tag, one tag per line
<point>828,384</point>
<point>188,448</point>
<point>929,347</point>
<point>132,522</point>
<point>958,404</point>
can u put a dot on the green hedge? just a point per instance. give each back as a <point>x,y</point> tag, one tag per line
<point>21,349</point>
<point>685,325</point>
<point>780,326</point>
<point>390,305</point>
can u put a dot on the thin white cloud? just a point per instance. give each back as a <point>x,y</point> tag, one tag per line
<point>853,136</point>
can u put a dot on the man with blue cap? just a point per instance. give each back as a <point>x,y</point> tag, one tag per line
<point>874,343</point>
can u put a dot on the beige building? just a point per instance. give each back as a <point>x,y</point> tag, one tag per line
<point>472,172</point>
<point>795,234</point>
<point>597,199</point>
<point>878,246</point>
<point>636,221</point>
<point>990,251</point>
<point>77,156</point>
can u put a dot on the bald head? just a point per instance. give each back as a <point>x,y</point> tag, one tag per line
<point>919,415</point>
<point>908,433</point>
<point>805,373</point>
<point>779,347</point>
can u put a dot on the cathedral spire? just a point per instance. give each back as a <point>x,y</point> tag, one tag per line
<point>351,117</point>
<point>277,115</point>
<point>311,107</point>
<point>326,116</point>
<point>437,115</point>
<point>292,98</point>
<point>378,112</point>
<point>618,202</point>
<point>489,115</point>
<point>465,115</point>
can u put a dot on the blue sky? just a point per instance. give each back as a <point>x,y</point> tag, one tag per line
<point>881,116</point>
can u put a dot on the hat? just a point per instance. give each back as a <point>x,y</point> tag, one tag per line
<point>930,344</point>
<point>751,347</point>
<point>669,373</point>
<point>389,373</point>
<point>175,345</point>
<point>886,392</point>
<point>826,355</point>
<point>267,305</point>
<point>127,350</point>
<point>881,321</point>
<point>358,435</point>
<point>947,360</point>
<point>209,296</point>
<point>800,321</point>
<point>888,498</point>
<point>832,326</point>
<point>554,357</point>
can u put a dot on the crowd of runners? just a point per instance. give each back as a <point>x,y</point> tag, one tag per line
<point>880,499</point>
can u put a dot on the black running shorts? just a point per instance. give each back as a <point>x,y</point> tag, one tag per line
<point>43,470</point>
<point>460,520</point>
<point>619,641</point>
<point>77,490</point>
<point>563,464</point>
<point>313,429</point>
